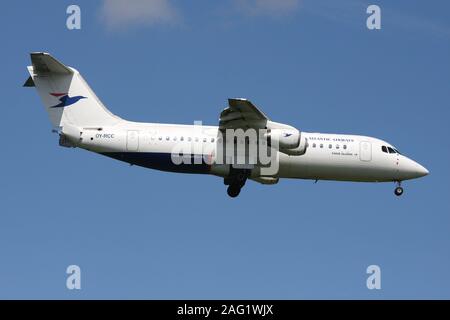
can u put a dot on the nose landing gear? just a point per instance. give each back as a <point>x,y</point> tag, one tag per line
<point>399,190</point>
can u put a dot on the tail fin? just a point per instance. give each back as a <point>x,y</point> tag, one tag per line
<point>68,99</point>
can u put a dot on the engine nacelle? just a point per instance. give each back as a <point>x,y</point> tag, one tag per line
<point>266,180</point>
<point>290,141</point>
<point>285,138</point>
<point>300,150</point>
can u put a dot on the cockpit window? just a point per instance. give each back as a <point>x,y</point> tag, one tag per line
<point>391,150</point>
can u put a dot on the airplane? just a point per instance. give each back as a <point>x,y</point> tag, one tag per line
<point>82,121</point>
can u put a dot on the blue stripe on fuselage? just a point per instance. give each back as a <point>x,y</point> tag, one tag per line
<point>160,161</point>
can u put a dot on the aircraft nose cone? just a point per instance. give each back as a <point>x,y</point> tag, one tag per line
<point>412,169</point>
<point>422,171</point>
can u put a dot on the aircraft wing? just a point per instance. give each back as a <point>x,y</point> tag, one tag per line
<point>242,114</point>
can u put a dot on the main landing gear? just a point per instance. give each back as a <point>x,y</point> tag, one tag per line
<point>399,190</point>
<point>233,190</point>
<point>235,182</point>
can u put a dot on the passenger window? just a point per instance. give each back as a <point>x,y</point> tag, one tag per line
<point>212,139</point>
<point>182,139</point>
<point>345,147</point>
<point>204,139</point>
<point>167,138</point>
<point>174,138</point>
<point>321,145</point>
<point>314,145</point>
<point>330,146</point>
<point>337,146</point>
<point>196,139</point>
<point>384,149</point>
<point>189,139</point>
<point>160,138</point>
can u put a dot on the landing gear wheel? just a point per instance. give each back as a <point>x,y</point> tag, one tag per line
<point>233,191</point>
<point>398,191</point>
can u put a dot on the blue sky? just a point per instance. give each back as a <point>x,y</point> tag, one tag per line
<point>138,233</point>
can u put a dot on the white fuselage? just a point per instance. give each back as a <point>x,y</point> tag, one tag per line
<point>236,150</point>
<point>328,156</point>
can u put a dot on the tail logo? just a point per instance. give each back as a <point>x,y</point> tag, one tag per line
<point>65,99</point>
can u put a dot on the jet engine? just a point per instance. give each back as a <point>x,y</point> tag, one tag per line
<point>290,141</point>
<point>266,180</point>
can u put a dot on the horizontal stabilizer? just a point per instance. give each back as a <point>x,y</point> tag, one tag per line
<point>45,63</point>
<point>29,82</point>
